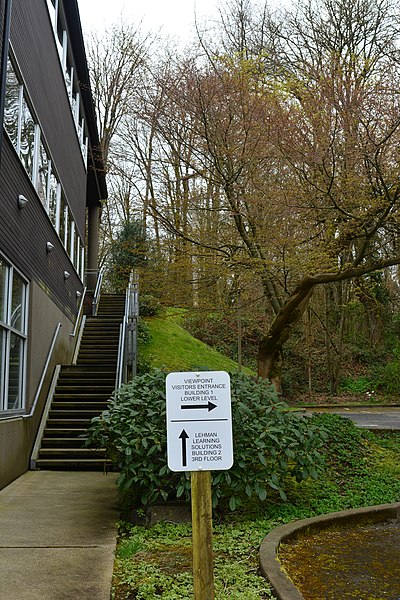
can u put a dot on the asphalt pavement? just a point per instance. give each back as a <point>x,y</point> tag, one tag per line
<point>380,418</point>
<point>58,536</point>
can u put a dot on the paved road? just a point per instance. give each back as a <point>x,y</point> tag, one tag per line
<point>377,417</point>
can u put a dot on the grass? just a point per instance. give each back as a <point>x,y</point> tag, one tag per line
<point>174,349</point>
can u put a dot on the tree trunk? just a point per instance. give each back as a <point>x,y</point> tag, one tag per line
<point>270,350</point>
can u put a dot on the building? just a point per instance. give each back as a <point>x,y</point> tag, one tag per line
<point>51,186</point>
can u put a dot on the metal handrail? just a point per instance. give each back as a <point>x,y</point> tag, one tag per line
<point>127,347</point>
<point>80,312</point>
<point>43,420</point>
<point>78,341</point>
<point>120,377</point>
<point>44,373</point>
<point>97,292</point>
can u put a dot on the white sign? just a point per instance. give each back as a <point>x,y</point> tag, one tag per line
<point>199,421</point>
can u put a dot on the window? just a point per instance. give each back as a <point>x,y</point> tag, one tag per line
<point>71,82</point>
<point>13,307</point>
<point>62,229</point>
<point>12,104</point>
<point>18,120</point>
<point>43,171</point>
<point>53,198</point>
<point>52,12</point>
<point>77,253</point>
<point>82,264</point>
<point>72,240</point>
<point>28,140</point>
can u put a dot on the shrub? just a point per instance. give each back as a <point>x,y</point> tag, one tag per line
<point>360,385</point>
<point>143,332</point>
<point>270,443</point>
<point>149,306</point>
<point>388,378</point>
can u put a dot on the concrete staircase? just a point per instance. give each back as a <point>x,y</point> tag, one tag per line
<point>82,393</point>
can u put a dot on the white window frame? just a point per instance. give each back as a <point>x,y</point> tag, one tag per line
<point>72,242</point>
<point>22,334</point>
<point>58,208</point>
<point>82,262</point>
<point>65,226</point>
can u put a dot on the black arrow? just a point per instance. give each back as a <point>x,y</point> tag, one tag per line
<point>184,436</point>
<point>209,406</point>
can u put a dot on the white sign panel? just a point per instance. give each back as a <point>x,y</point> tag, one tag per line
<point>199,421</point>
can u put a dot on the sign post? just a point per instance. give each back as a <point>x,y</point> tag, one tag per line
<point>199,439</point>
<point>203,560</point>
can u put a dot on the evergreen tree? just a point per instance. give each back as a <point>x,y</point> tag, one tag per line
<point>127,253</point>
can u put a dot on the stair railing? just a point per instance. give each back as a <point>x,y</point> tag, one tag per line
<point>79,325</point>
<point>43,420</point>
<point>97,292</point>
<point>127,347</point>
<point>44,373</point>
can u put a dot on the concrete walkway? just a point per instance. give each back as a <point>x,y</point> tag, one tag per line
<point>58,536</point>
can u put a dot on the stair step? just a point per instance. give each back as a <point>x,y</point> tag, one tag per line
<point>85,390</point>
<point>74,405</point>
<point>98,359</point>
<point>86,373</point>
<point>88,387</point>
<point>98,349</point>
<point>60,442</point>
<point>68,423</point>
<point>101,338</point>
<point>63,452</point>
<point>82,398</point>
<point>103,323</point>
<point>74,464</point>
<point>100,342</point>
<point>58,432</point>
<point>99,362</point>
<point>73,414</point>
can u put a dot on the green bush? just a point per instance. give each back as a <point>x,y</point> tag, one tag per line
<point>388,378</point>
<point>270,443</point>
<point>361,385</point>
<point>149,306</point>
<point>143,332</point>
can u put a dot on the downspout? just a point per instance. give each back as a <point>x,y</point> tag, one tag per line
<point>3,67</point>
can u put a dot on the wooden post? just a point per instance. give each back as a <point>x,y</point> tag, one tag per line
<point>203,560</point>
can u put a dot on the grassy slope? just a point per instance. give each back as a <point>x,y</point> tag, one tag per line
<point>174,349</point>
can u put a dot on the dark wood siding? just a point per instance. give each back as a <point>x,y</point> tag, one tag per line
<point>35,50</point>
<point>24,233</point>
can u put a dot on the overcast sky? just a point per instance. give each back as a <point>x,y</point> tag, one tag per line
<point>172,17</point>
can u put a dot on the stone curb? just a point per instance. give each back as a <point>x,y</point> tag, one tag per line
<point>269,563</point>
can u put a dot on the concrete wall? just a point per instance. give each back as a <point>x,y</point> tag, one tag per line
<point>17,435</point>
<point>43,318</point>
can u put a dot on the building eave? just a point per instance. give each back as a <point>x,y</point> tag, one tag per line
<point>96,185</point>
